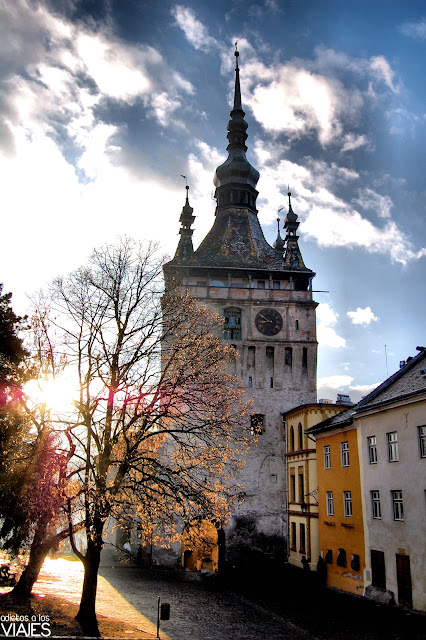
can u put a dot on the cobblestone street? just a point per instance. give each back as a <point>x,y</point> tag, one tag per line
<point>202,612</point>
<point>199,612</point>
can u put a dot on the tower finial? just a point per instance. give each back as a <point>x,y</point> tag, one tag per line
<point>279,242</point>
<point>237,94</point>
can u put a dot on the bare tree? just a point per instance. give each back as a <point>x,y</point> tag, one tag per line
<point>159,423</point>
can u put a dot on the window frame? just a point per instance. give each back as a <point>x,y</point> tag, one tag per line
<point>392,446</point>
<point>257,424</point>
<point>344,453</point>
<point>293,536</point>
<point>422,440</point>
<point>347,504</point>
<point>397,505</point>
<point>302,537</point>
<point>327,456</point>
<point>372,449</point>
<point>329,499</point>
<point>232,331</point>
<point>376,508</point>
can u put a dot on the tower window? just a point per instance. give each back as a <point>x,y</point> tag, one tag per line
<point>250,382</point>
<point>288,357</point>
<point>305,358</point>
<point>232,324</point>
<point>251,358</point>
<point>257,424</point>
<point>296,325</point>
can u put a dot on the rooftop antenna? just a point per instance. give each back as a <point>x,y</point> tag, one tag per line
<point>185,178</point>
<point>386,358</point>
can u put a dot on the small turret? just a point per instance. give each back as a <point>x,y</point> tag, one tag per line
<point>279,242</point>
<point>292,257</point>
<point>185,249</point>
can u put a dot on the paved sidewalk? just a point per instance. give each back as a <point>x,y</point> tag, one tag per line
<point>65,578</point>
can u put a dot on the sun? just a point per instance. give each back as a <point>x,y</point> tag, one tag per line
<point>56,393</point>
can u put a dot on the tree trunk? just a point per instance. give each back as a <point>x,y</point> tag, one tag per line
<point>86,615</point>
<point>38,553</point>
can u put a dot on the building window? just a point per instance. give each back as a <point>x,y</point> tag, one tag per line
<point>329,556</point>
<point>393,446</point>
<point>232,324</point>
<point>288,357</point>
<point>276,284</point>
<point>347,504</point>
<point>355,563</point>
<point>302,540</point>
<point>330,503</point>
<point>422,441</point>
<point>251,357</point>
<point>341,558</point>
<point>372,449</point>
<point>291,438</point>
<point>327,457</point>
<point>398,506</point>
<point>296,325</point>
<point>300,429</point>
<point>344,453</point>
<point>301,487</point>
<point>293,487</point>
<point>257,424</point>
<point>250,382</point>
<point>304,358</point>
<point>261,284</point>
<point>271,383</point>
<point>375,505</point>
<point>293,536</point>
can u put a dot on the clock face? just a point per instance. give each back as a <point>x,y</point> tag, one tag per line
<point>269,322</point>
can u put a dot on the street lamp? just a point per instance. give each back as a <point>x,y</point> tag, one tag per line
<point>304,507</point>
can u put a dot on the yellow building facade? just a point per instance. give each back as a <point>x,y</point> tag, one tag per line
<point>340,512</point>
<point>301,462</point>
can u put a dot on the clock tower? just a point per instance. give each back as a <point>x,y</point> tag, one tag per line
<point>264,294</point>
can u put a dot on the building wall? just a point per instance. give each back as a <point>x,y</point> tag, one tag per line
<point>338,531</point>
<point>407,474</point>
<point>302,458</point>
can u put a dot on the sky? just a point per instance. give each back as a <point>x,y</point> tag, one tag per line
<point>105,104</point>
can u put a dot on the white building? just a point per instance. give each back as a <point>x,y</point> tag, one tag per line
<point>391,427</point>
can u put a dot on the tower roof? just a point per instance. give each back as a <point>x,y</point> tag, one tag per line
<point>236,239</point>
<point>185,250</point>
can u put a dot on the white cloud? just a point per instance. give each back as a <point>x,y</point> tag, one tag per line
<point>362,316</point>
<point>298,102</point>
<point>371,200</point>
<point>364,389</point>
<point>326,334</point>
<point>416,30</point>
<point>337,224</point>
<point>351,141</point>
<point>383,71</point>
<point>335,382</point>
<point>195,32</point>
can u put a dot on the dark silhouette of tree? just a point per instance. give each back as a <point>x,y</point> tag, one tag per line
<point>158,419</point>
<point>33,462</point>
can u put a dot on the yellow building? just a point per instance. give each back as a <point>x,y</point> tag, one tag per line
<point>302,480</point>
<point>340,515</point>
